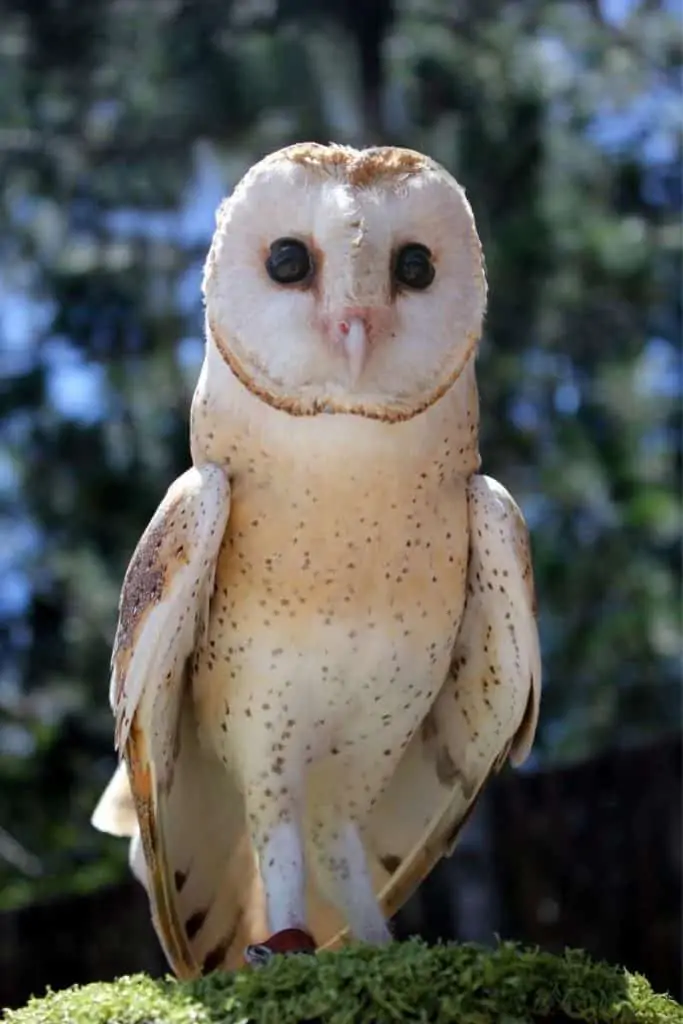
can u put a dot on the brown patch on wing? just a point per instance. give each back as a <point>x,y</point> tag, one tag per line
<point>361,168</point>
<point>447,771</point>
<point>390,862</point>
<point>195,923</point>
<point>161,551</point>
<point>429,728</point>
<point>298,405</point>
<point>215,957</point>
<point>451,837</point>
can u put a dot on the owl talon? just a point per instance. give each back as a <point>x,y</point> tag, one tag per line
<point>289,942</point>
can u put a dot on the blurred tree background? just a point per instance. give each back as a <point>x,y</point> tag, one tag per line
<point>124,122</point>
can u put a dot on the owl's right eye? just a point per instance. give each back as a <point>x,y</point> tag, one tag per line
<point>289,261</point>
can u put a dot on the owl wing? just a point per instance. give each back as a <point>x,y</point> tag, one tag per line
<point>178,802</point>
<point>485,713</point>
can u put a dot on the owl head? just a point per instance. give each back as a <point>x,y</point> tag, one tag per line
<point>346,281</point>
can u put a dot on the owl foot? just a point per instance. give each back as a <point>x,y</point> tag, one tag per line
<point>288,942</point>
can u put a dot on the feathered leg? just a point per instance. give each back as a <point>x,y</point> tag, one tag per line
<point>282,865</point>
<point>342,871</point>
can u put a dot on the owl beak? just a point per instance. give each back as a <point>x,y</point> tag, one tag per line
<point>353,335</point>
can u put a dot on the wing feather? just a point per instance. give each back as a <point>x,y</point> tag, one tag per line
<point>166,592</point>
<point>115,810</point>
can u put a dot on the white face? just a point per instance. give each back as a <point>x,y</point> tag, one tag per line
<point>327,295</point>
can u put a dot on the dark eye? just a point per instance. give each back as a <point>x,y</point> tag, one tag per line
<point>413,266</point>
<point>289,261</point>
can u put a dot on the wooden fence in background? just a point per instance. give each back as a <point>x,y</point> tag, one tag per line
<point>586,856</point>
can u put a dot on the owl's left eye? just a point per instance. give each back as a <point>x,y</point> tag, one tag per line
<point>289,261</point>
<point>413,266</point>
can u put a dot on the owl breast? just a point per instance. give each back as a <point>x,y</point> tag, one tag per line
<point>337,603</point>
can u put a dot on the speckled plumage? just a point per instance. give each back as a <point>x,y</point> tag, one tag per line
<point>327,639</point>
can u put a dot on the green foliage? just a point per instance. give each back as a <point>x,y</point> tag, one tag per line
<point>121,126</point>
<point>404,982</point>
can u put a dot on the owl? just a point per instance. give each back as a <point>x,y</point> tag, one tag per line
<point>327,636</point>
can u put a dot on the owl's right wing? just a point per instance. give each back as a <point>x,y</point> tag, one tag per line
<point>198,865</point>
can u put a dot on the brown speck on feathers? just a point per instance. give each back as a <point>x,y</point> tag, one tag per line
<point>194,923</point>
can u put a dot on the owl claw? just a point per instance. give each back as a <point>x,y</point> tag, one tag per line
<point>289,942</point>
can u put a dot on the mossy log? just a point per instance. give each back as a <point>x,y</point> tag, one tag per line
<point>444,984</point>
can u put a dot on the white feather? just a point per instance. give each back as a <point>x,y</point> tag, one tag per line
<point>115,810</point>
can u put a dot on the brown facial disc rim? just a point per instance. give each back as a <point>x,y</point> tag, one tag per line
<point>326,406</point>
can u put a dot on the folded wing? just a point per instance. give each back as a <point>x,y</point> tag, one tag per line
<point>178,802</point>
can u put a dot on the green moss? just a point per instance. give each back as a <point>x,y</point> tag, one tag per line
<point>360,985</point>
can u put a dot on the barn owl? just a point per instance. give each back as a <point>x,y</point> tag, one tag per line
<point>327,638</point>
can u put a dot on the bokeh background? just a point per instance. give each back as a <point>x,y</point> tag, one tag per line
<point>122,124</point>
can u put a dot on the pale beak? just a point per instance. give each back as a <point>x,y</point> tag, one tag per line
<point>354,338</point>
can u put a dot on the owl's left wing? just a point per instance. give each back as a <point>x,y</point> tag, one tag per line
<point>165,597</point>
<point>180,807</point>
<point>485,713</point>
